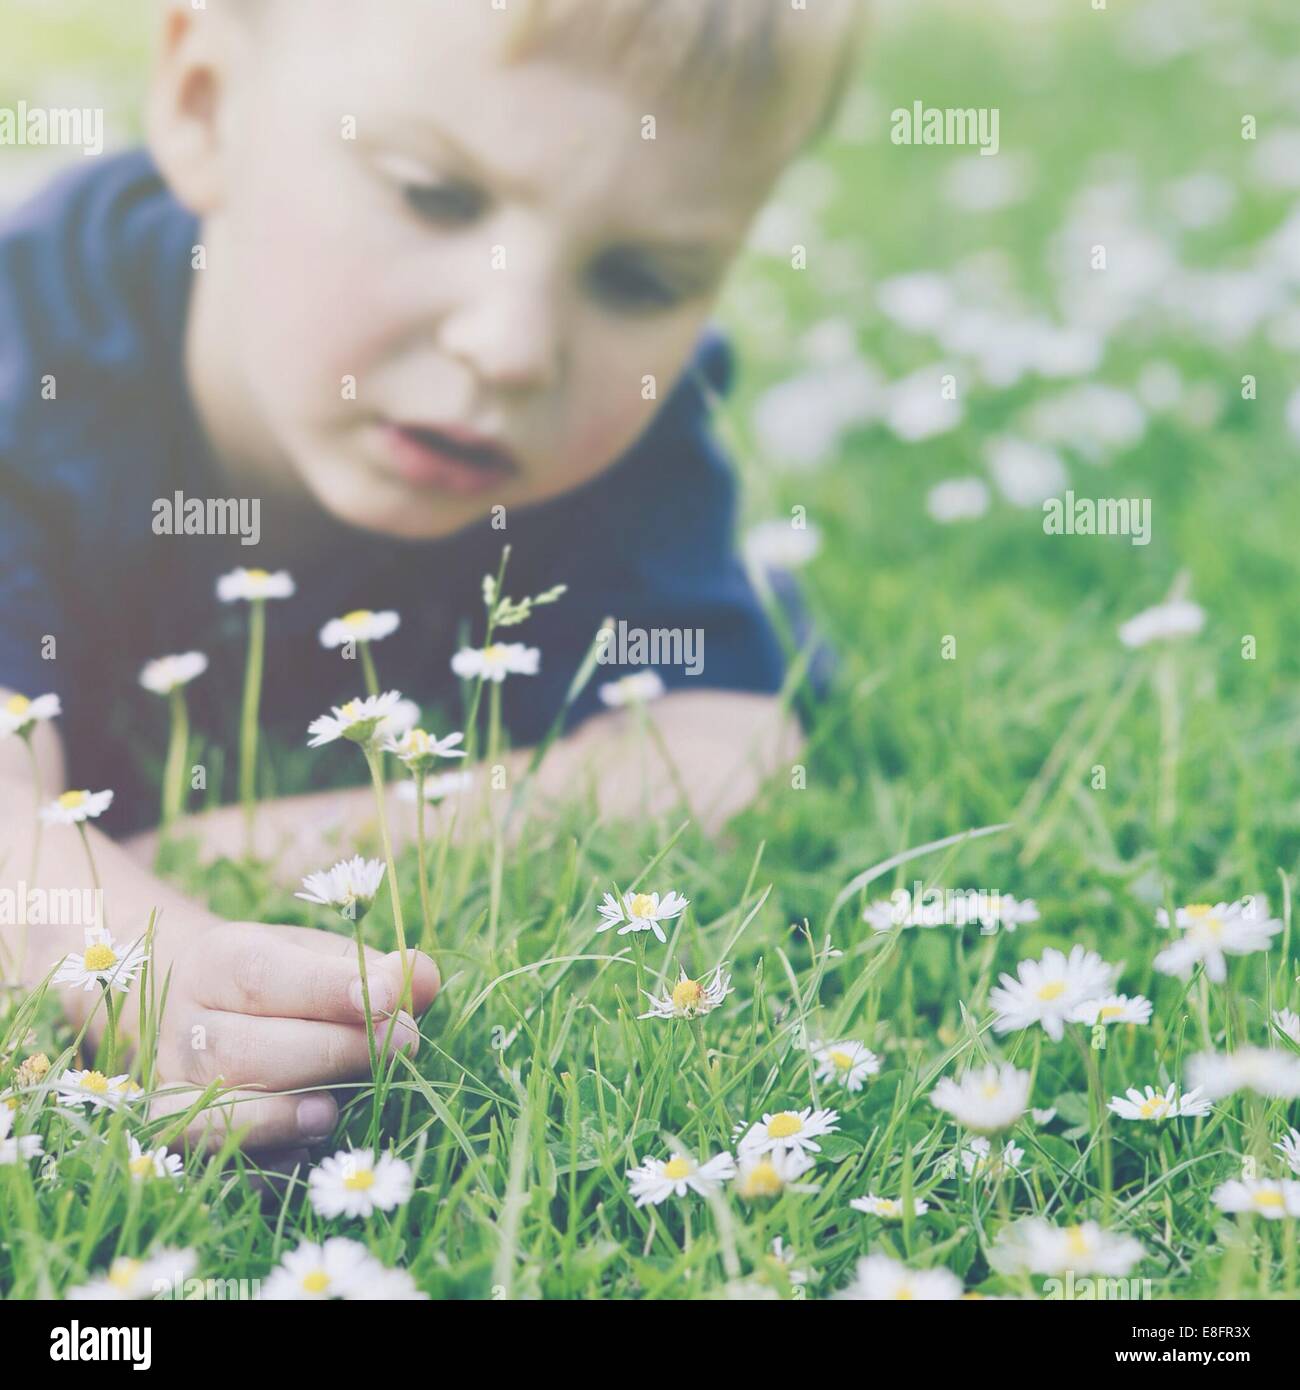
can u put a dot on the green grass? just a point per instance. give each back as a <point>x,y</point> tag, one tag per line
<point>522,1149</point>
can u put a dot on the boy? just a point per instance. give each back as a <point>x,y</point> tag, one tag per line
<point>419,277</point>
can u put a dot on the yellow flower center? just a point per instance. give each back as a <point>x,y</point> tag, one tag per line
<point>71,800</point>
<point>888,1207</point>
<point>1154,1108</point>
<point>495,652</point>
<point>678,1167</point>
<point>258,575</point>
<point>643,905</point>
<point>357,618</point>
<point>418,741</point>
<point>990,1090</point>
<point>1052,990</point>
<point>1110,1011</point>
<point>95,1081</point>
<point>1076,1242</point>
<point>1198,910</point>
<point>122,1273</point>
<point>904,1294</point>
<point>316,1282</point>
<point>687,994</point>
<point>141,1167</point>
<point>17,704</point>
<point>99,957</point>
<point>785,1124</point>
<point>1270,1199</point>
<point>1202,915</point>
<point>762,1180</point>
<point>360,1181</point>
<point>351,709</point>
<point>842,1060</point>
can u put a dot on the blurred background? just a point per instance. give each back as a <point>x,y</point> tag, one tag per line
<point>1120,127</point>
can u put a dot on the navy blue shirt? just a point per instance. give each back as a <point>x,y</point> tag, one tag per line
<point>94,290</point>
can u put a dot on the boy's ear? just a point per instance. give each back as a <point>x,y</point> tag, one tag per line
<point>185,120</point>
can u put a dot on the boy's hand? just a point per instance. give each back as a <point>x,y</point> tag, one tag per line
<point>276,1009</point>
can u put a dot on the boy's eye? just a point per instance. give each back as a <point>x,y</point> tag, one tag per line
<point>454,204</point>
<point>626,283</point>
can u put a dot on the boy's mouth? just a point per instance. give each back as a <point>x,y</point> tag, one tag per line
<point>446,459</point>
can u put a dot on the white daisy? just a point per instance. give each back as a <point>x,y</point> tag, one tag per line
<point>496,662</point>
<point>442,785</point>
<point>1270,1198</point>
<point>404,718</point>
<point>986,1099</point>
<point>958,499</point>
<point>879,1278</point>
<point>254,584</point>
<point>151,1163</point>
<point>782,546</point>
<point>1212,933</point>
<point>881,915</point>
<point>75,806</point>
<point>640,912</point>
<point>359,626</point>
<point>19,715</point>
<point>1179,618</point>
<point>1047,991</point>
<point>19,1148</point>
<point>1265,1070</point>
<point>761,1175</point>
<point>1289,1147</point>
<point>419,750</point>
<point>100,1092</point>
<point>978,1161</point>
<point>690,998</point>
<point>1113,1008</point>
<point>1009,913</point>
<point>849,1063</point>
<point>169,673</point>
<point>103,963</point>
<point>887,1208</point>
<point>356,1183</point>
<point>358,720</point>
<point>1151,1104</point>
<point>340,1268</point>
<point>349,887</point>
<point>1038,1246</point>
<point>136,1279</point>
<point>789,1129</point>
<point>1042,1117</point>
<point>637,689</point>
<point>657,1179</point>
<point>1288,1022</point>
<point>785,1256</point>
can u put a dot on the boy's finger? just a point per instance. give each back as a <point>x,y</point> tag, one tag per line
<point>426,980</point>
<point>281,1054</point>
<point>260,1121</point>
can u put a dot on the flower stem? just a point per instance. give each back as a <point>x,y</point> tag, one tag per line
<point>427,941</point>
<point>368,667</point>
<point>394,895</point>
<point>174,770</point>
<point>248,719</point>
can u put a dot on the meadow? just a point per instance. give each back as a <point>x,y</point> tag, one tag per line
<point>1131,801</point>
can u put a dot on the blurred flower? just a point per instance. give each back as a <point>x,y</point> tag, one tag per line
<point>637,689</point>
<point>1265,1070</point>
<point>1008,912</point>
<point>781,545</point>
<point>1036,1246</point>
<point>975,184</point>
<point>957,499</point>
<point>1272,1199</point>
<point>986,1099</point>
<point>977,1159</point>
<point>1276,163</point>
<point>339,1268</point>
<point>640,912</point>
<point>1212,933</point>
<point>76,806</point>
<point>419,750</point>
<point>104,963</point>
<point>437,787</point>
<point>879,1278</point>
<point>887,1208</point>
<point>169,673</point>
<point>789,1129</point>
<point>1091,419</point>
<point>1026,473</point>
<point>359,626</point>
<point>19,1148</point>
<point>357,721</point>
<point>846,1063</point>
<point>1047,991</point>
<point>136,1279</point>
<point>151,1163</point>
<point>1179,618</point>
<point>1200,199</point>
<point>349,887</point>
<point>690,998</point>
<point>918,301</point>
<point>762,1175</point>
<point>879,915</point>
<point>1289,1147</point>
<point>19,715</point>
<point>657,1179</point>
<point>356,1183</point>
<point>1154,1105</point>
<point>496,662</point>
<point>801,422</point>
<point>1113,1008</point>
<point>918,407</point>
<point>1288,1022</point>
<point>254,584</point>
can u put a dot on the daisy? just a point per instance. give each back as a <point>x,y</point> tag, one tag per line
<point>19,1148</point>
<point>340,1268</point>
<point>887,1208</point>
<point>151,1163</point>
<point>252,585</point>
<point>1264,1070</point>
<point>957,499</point>
<point>1010,913</point>
<point>135,1279</point>
<point>1180,618</point>
<point>403,719</point>
<point>349,887</point>
<point>781,545</point>
<point>847,1062</point>
<point>640,912</point>
<point>436,788</point>
<point>496,662</point>
<point>420,750</point>
<point>637,689</point>
<point>1271,1198</point>
<point>94,1088</point>
<point>1047,991</point>
<point>1153,1105</point>
<point>1210,934</point>
<point>1043,1117</point>
<point>1288,1023</point>
<point>690,998</point>
<point>73,807</point>
<point>878,1278</point>
<point>985,1100</point>
<point>978,1161</point>
<point>1113,1008</point>
<point>357,721</point>
<point>657,1179</point>
<point>789,1129</point>
<point>1289,1148</point>
<point>1040,1247</point>
<point>785,1256</point>
<point>355,1183</point>
<point>359,626</point>
<point>880,915</point>
<point>19,715</point>
<point>769,1174</point>
<point>169,673</point>
<point>104,963</point>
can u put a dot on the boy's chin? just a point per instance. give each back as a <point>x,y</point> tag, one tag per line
<point>388,509</point>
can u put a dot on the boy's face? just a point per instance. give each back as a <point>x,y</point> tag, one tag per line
<point>498,259</point>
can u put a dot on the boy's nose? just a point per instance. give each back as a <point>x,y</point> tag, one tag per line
<point>507,335</point>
